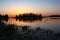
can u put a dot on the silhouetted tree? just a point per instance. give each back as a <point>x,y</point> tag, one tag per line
<point>0,16</point>
<point>40,15</point>
<point>6,16</point>
<point>29,16</point>
<point>16,16</point>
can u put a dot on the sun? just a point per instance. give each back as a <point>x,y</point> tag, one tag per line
<point>21,11</point>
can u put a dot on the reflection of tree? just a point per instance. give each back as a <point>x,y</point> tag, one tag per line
<point>29,20</point>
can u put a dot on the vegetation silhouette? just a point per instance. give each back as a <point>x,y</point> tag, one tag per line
<point>25,17</point>
<point>7,32</point>
<point>29,16</point>
<point>4,17</point>
<point>54,16</point>
<point>13,32</point>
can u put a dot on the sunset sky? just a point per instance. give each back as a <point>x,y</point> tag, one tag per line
<point>15,7</point>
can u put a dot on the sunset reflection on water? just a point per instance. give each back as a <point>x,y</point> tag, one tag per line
<point>45,23</point>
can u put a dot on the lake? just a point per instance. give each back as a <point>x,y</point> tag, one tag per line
<point>44,23</point>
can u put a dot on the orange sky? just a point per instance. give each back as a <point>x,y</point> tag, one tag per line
<point>15,7</point>
<point>44,13</point>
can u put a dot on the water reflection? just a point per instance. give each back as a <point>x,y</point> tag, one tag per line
<point>44,23</point>
<point>28,20</point>
<point>20,21</point>
<point>11,32</point>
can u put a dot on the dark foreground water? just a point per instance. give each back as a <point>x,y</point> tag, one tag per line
<point>43,29</point>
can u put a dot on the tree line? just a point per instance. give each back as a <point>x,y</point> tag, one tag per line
<point>29,16</point>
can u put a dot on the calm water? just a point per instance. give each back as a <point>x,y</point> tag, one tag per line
<point>44,23</point>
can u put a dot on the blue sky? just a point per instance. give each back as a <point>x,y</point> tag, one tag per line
<point>38,6</point>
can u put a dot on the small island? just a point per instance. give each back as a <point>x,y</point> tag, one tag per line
<point>54,16</point>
